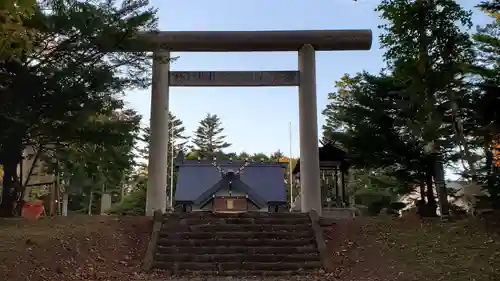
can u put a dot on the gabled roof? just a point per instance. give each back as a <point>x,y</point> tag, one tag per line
<point>266,180</point>
<point>328,153</point>
<point>236,185</point>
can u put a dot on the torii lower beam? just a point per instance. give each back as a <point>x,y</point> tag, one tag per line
<point>306,42</point>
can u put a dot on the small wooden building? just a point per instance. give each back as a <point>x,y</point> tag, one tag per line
<point>230,187</point>
<point>334,168</point>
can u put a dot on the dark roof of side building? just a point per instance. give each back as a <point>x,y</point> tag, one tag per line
<point>328,153</point>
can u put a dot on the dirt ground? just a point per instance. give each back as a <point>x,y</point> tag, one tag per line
<point>73,248</point>
<point>410,249</point>
<point>111,248</point>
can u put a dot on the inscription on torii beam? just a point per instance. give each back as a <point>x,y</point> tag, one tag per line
<point>233,78</point>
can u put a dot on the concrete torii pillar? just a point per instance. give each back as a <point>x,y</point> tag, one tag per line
<point>156,198</point>
<point>310,189</point>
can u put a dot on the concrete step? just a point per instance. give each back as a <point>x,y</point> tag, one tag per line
<point>256,250</point>
<point>235,242</point>
<point>249,227</point>
<point>237,235</point>
<point>253,274</point>
<point>213,266</point>
<point>183,257</point>
<point>243,221</point>
<point>241,215</point>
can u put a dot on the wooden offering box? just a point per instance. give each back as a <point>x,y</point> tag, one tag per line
<point>230,204</point>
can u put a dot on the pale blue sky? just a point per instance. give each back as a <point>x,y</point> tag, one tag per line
<point>256,119</point>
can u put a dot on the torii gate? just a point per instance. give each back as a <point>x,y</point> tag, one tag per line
<point>306,42</point>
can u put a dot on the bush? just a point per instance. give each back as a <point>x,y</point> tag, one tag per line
<point>374,200</point>
<point>397,206</point>
<point>133,204</point>
<point>362,210</point>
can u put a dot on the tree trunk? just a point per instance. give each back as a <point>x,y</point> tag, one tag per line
<point>441,187</point>
<point>64,210</point>
<point>90,203</point>
<point>421,205</point>
<point>52,199</point>
<point>422,190</point>
<point>11,184</point>
<point>9,191</point>
<point>122,192</point>
<point>491,178</point>
<point>431,206</point>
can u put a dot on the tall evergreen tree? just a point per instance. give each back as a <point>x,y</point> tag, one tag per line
<point>427,49</point>
<point>177,137</point>
<point>176,144</point>
<point>208,139</point>
<point>483,118</point>
<point>407,106</point>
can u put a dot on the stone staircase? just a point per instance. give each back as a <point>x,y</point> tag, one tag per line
<point>248,244</point>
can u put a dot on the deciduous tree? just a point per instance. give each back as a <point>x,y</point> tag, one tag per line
<point>67,79</point>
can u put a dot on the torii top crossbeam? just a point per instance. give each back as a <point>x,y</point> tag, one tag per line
<point>251,41</point>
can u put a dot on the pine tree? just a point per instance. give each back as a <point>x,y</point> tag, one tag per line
<point>483,119</point>
<point>276,156</point>
<point>427,48</point>
<point>176,129</point>
<point>208,139</point>
<point>179,140</point>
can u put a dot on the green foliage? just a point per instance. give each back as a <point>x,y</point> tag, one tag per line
<point>364,118</point>
<point>134,201</point>
<point>208,139</point>
<point>385,120</point>
<point>374,200</point>
<point>56,93</point>
<point>133,204</point>
<point>15,35</point>
<point>175,128</point>
<point>177,141</point>
<point>483,119</point>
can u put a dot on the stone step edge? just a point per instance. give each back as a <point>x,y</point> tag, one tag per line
<point>222,233</point>
<point>191,264</point>
<point>248,273</point>
<point>245,214</point>
<point>267,227</point>
<point>218,258</point>
<point>234,242</point>
<point>308,249</point>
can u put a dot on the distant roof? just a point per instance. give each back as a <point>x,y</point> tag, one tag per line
<point>197,177</point>
<point>328,153</point>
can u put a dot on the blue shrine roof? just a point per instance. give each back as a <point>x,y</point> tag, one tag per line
<point>266,180</point>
